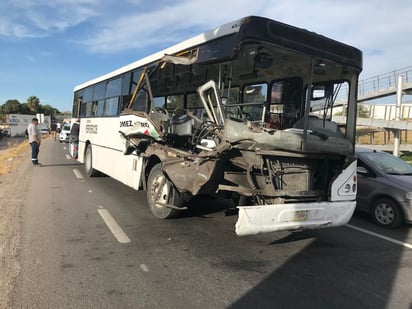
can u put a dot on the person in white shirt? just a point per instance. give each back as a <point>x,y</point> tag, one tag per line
<point>34,135</point>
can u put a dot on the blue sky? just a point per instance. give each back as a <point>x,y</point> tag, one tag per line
<point>49,46</point>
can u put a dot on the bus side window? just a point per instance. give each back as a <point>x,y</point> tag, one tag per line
<point>83,109</point>
<point>125,100</point>
<point>111,107</point>
<point>100,108</point>
<point>159,102</point>
<point>141,101</point>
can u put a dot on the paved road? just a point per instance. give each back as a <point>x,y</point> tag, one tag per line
<point>71,259</point>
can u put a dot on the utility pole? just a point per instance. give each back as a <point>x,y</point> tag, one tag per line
<point>397,132</point>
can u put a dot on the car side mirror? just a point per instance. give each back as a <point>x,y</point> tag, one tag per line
<point>361,170</point>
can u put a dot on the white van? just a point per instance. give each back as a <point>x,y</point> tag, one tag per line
<point>65,133</point>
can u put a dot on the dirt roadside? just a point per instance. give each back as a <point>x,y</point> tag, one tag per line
<point>13,184</point>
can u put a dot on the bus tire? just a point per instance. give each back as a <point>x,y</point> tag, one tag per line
<point>88,162</point>
<point>168,195</point>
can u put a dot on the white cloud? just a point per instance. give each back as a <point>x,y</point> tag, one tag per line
<point>11,29</point>
<point>40,18</point>
<point>380,29</point>
<point>166,25</point>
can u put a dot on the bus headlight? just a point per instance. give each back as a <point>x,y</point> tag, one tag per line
<point>344,185</point>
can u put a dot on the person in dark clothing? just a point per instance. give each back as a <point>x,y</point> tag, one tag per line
<point>34,140</point>
<point>74,138</point>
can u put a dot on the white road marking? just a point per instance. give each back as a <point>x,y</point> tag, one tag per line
<point>404,244</point>
<point>68,157</point>
<point>64,147</point>
<point>113,226</point>
<point>144,268</point>
<point>77,173</point>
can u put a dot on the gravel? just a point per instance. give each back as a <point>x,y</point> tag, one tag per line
<point>12,193</point>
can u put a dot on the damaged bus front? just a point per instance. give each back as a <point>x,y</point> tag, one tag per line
<point>264,133</point>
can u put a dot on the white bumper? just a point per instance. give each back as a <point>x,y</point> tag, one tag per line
<point>278,217</point>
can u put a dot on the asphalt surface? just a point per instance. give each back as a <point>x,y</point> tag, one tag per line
<point>70,258</point>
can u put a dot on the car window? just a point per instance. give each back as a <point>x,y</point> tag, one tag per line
<point>387,163</point>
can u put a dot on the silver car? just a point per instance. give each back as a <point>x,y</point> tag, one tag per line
<point>384,187</point>
<point>65,134</point>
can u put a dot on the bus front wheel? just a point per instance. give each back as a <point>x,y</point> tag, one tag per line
<point>161,194</point>
<point>88,163</point>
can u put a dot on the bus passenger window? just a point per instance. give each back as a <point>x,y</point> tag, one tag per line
<point>111,107</point>
<point>94,108</point>
<point>174,102</point>
<point>140,102</point>
<point>125,100</point>
<point>159,101</point>
<point>100,108</point>
<point>83,109</point>
<point>89,109</point>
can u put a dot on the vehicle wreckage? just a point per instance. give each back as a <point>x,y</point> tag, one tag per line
<point>280,179</point>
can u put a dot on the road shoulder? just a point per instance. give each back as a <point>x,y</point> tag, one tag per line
<point>13,188</point>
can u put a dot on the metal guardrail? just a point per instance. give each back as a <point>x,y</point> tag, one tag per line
<point>373,86</point>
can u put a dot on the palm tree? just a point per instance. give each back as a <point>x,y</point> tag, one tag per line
<point>33,102</point>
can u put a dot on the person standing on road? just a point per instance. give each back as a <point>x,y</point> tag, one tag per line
<point>74,138</point>
<point>34,140</point>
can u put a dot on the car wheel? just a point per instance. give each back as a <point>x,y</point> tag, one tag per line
<point>386,213</point>
<point>88,163</point>
<point>161,191</point>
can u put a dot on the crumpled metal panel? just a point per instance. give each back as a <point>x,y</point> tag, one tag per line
<point>291,140</point>
<point>189,176</point>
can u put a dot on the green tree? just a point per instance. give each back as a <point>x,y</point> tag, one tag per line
<point>363,111</point>
<point>48,110</point>
<point>25,109</point>
<point>11,106</point>
<point>33,102</point>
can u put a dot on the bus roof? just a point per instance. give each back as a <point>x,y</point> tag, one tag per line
<point>259,28</point>
<point>218,32</point>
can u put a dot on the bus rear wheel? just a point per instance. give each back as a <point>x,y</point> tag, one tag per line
<point>88,162</point>
<point>161,193</point>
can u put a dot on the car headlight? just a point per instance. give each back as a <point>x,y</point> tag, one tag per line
<point>409,195</point>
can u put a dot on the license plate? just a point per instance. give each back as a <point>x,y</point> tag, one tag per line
<point>301,215</point>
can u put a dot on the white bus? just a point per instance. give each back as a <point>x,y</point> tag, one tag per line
<point>242,111</point>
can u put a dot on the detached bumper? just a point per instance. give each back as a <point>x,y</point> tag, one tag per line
<point>278,217</point>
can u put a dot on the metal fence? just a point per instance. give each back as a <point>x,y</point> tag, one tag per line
<point>383,82</point>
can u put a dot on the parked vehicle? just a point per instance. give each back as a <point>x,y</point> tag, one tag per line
<point>384,187</point>
<point>44,131</point>
<point>65,133</point>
